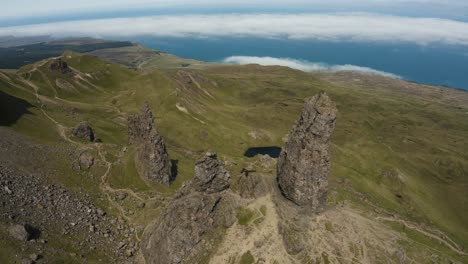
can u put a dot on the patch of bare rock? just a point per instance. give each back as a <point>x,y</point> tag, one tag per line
<point>154,159</point>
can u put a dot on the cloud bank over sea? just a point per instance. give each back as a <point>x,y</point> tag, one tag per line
<point>303,65</point>
<point>355,27</point>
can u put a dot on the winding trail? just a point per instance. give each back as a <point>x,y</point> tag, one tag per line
<point>62,130</point>
<point>441,238</point>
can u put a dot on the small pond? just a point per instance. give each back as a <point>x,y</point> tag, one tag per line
<point>273,151</point>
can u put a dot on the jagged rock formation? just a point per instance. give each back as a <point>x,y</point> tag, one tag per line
<point>85,131</point>
<point>140,125</point>
<point>59,65</point>
<point>210,174</point>
<point>152,152</point>
<point>304,163</point>
<point>190,227</point>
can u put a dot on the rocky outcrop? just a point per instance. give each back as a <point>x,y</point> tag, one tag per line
<point>140,125</point>
<point>151,149</point>
<point>58,65</point>
<point>252,186</point>
<point>190,227</point>
<point>84,131</point>
<point>304,163</point>
<point>210,174</point>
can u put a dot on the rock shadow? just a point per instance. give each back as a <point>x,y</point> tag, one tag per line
<point>174,169</point>
<point>12,108</point>
<point>34,232</point>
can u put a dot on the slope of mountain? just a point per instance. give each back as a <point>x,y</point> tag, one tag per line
<point>397,187</point>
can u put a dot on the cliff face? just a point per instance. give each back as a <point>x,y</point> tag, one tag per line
<point>152,152</point>
<point>304,163</point>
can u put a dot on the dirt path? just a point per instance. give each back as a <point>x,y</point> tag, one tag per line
<point>104,185</point>
<point>262,239</point>
<point>441,238</point>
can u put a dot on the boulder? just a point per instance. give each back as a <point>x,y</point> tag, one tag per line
<point>86,161</point>
<point>20,232</point>
<point>210,174</point>
<point>304,163</point>
<point>85,131</point>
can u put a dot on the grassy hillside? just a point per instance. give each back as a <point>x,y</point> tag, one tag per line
<point>398,148</point>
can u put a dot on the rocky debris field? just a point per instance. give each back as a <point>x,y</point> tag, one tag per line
<point>36,211</point>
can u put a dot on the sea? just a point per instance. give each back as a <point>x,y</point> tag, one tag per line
<point>437,64</point>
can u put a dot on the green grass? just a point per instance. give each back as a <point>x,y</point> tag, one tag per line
<point>403,150</point>
<point>126,175</point>
<point>247,258</point>
<point>244,215</point>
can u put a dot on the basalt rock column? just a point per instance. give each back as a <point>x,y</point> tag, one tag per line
<point>151,149</point>
<point>304,163</point>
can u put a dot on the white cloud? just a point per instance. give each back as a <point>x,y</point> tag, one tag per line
<point>303,65</point>
<point>335,27</point>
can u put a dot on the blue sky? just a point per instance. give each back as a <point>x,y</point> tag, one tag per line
<point>23,9</point>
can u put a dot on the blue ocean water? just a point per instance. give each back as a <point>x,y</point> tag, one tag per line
<point>437,64</point>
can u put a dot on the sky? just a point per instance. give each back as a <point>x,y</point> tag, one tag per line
<point>17,9</point>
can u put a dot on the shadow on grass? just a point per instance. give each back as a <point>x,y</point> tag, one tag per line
<point>12,108</point>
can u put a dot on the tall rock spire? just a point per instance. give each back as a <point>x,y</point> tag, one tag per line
<point>151,149</point>
<point>304,163</point>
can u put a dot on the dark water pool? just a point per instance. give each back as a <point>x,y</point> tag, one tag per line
<point>273,151</point>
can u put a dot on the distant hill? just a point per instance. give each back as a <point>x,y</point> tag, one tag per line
<point>12,41</point>
<point>16,56</point>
